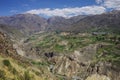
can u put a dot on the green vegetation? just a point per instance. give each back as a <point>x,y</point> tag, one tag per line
<point>7,63</point>
<point>60,43</point>
<point>108,53</point>
<point>59,48</point>
<point>27,76</point>
<point>40,63</point>
<point>69,43</point>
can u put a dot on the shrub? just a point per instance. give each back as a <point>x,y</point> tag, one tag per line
<point>7,63</point>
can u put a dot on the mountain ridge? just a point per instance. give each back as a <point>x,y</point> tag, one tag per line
<point>31,23</point>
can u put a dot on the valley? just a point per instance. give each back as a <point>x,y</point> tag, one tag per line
<point>79,48</point>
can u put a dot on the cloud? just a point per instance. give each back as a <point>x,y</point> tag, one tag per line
<point>13,11</point>
<point>114,4</point>
<point>69,12</point>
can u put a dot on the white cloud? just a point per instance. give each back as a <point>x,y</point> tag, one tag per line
<point>112,4</point>
<point>69,12</point>
<point>115,4</point>
<point>13,11</point>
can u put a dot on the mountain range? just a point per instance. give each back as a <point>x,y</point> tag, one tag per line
<point>31,23</point>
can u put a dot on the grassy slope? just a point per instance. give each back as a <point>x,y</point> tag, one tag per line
<point>11,70</point>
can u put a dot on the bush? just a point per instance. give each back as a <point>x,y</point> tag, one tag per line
<point>7,63</point>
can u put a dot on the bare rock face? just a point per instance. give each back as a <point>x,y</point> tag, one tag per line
<point>65,66</point>
<point>80,65</point>
<point>74,65</point>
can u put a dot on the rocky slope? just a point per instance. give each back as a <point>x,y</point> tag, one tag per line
<point>105,22</point>
<point>26,23</point>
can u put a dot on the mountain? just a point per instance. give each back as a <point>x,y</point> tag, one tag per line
<point>26,23</point>
<point>31,23</point>
<point>58,23</point>
<point>75,19</point>
<point>108,21</point>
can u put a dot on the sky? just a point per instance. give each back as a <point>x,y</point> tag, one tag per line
<point>64,8</point>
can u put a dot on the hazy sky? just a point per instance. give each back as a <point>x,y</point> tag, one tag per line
<point>65,8</point>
